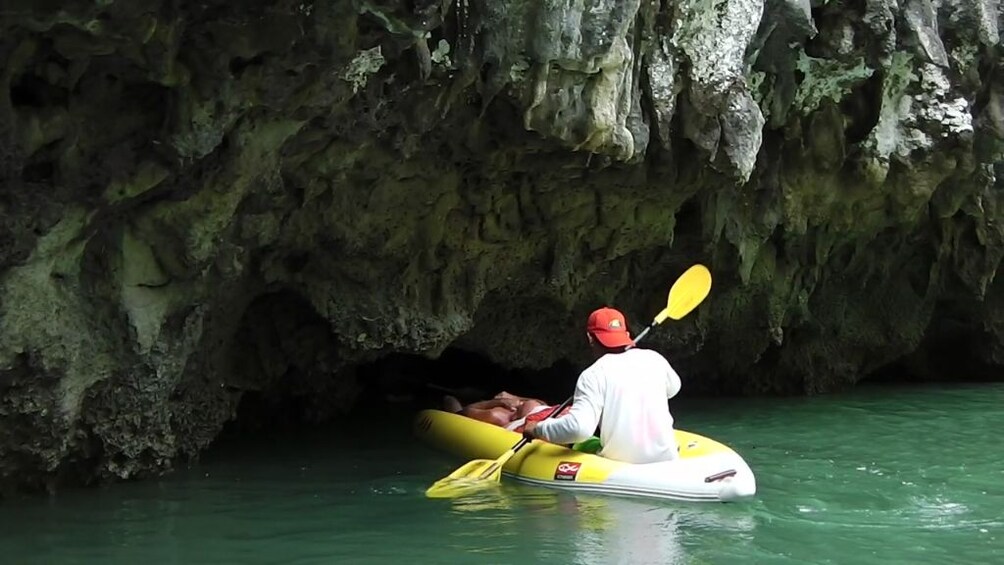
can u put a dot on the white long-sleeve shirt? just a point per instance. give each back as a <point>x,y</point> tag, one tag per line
<point>629,391</point>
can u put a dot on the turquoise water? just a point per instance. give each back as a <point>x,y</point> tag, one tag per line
<point>880,475</point>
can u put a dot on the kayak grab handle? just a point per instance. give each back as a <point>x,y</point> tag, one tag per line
<point>720,476</point>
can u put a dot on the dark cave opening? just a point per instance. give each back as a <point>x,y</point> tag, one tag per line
<point>393,388</point>
<point>398,386</point>
<point>288,369</point>
<point>952,350</point>
<point>417,381</point>
<point>950,361</point>
<point>284,361</point>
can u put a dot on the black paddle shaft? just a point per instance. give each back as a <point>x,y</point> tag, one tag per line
<point>527,440</point>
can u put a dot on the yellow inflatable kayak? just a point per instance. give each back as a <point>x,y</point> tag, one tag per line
<point>705,471</point>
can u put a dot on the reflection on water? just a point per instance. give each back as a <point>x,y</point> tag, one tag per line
<point>606,529</point>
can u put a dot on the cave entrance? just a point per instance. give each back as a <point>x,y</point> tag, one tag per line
<point>955,359</point>
<point>422,382</point>
<point>953,349</point>
<point>286,363</point>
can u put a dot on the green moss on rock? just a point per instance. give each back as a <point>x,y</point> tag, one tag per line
<point>826,79</point>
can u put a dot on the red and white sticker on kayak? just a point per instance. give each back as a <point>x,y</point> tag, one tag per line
<point>566,471</point>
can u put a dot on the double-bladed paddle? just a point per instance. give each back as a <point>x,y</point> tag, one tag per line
<point>686,293</point>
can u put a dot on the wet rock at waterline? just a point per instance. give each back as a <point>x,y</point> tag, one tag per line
<point>203,203</point>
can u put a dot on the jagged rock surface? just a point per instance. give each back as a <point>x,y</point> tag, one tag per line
<point>206,201</point>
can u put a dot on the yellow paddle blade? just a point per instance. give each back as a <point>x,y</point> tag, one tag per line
<point>456,488</point>
<point>473,476</point>
<point>688,291</point>
<point>476,469</point>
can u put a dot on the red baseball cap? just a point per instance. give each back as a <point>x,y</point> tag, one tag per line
<point>609,326</point>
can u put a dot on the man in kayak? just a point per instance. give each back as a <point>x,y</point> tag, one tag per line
<point>628,388</point>
<point>504,409</point>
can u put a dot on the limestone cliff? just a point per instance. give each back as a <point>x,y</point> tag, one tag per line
<point>205,200</point>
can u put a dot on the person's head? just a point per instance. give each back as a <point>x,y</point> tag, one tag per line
<point>607,332</point>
